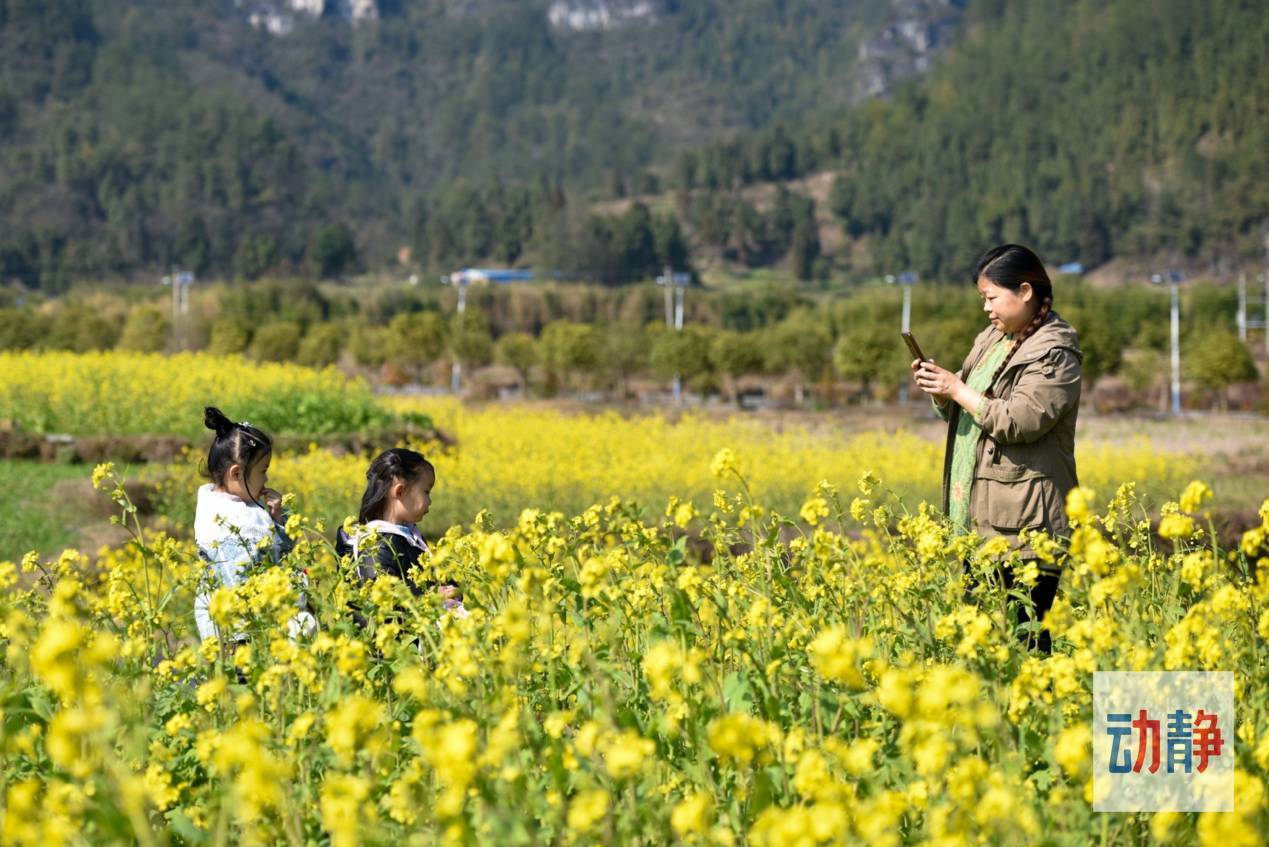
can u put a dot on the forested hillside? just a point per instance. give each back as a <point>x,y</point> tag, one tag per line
<point>1090,129</point>
<point>243,138</point>
<point>139,134</point>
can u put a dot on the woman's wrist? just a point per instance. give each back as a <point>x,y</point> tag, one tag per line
<point>967,398</point>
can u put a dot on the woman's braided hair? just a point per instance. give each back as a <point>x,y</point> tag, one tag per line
<point>1009,266</point>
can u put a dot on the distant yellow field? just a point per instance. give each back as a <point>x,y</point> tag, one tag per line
<point>512,458</point>
<point>120,393</point>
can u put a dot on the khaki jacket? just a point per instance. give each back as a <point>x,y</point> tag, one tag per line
<point>1026,456</point>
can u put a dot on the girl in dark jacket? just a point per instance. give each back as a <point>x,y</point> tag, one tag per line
<point>398,494</point>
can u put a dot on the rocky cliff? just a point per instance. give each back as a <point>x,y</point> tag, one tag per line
<point>278,17</point>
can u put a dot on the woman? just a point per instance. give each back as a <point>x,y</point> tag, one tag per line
<point>1011,410</point>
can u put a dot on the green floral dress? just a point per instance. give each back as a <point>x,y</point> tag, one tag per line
<point>965,445</point>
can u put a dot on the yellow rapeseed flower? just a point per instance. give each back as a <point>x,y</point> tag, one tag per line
<point>836,656</point>
<point>1177,527</point>
<point>587,809</point>
<point>741,738</point>
<point>1194,496</point>
<point>693,815</point>
<point>343,805</point>
<point>625,754</point>
<point>1074,749</point>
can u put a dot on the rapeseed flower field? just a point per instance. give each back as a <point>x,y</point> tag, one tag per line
<point>698,632</point>
<point>120,393</point>
<point>828,684</point>
<point>508,459</point>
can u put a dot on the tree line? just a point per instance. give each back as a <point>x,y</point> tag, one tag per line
<point>560,337</point>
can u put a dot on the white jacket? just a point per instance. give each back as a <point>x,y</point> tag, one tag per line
<point>231,535</point>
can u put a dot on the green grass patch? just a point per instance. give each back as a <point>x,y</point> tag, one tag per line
<point>34,518</point>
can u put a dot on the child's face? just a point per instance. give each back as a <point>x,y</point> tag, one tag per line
<point>413,499</point>
<point>249,486</point>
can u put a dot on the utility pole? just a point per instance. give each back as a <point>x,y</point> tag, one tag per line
<point>1264,322</point>
<point>1242,307</point>
<point>458,280</point>
<point>666,280</point>
<point>675,284</point>
<point>1174,278</point>
<point>1176,350</point>
<point>180,281</point>
<point>907,279</point>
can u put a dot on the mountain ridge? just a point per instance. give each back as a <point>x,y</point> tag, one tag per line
<point>137,136</point>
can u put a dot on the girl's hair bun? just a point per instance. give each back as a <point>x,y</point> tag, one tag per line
<point>214,419</point>
<point>234,444</point>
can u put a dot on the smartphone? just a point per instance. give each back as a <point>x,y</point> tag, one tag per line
<point>913,347</point>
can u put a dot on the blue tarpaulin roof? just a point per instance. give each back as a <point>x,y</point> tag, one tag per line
<point>493,275</point>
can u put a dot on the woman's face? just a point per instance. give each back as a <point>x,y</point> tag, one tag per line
<point>1009,311</point>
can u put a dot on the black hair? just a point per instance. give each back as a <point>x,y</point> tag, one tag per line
<point>1009,266</point>
<point>234,444</point>
<point>390,466</point>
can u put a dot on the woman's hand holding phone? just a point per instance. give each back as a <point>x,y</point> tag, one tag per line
<point>937,382</point>
<point>933,380</point>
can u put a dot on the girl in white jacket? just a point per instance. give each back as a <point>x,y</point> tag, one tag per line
<point>239,521</point>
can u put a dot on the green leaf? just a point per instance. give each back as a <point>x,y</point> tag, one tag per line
<point>1043,779</point>
<point>737,692</point>
<point>40,702</point>
<point>184,828</point>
